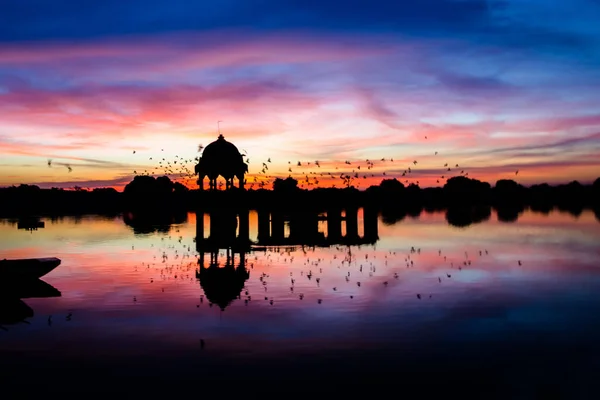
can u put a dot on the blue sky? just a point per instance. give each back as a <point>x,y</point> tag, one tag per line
<point>337,80</point>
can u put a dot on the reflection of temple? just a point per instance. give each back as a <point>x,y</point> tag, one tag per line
<point>231,229</point>
<point>304,228</point>
<point>222,284</point>
<point>228,230</point>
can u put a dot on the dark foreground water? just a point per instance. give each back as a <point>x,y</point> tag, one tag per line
<point>502,310</point>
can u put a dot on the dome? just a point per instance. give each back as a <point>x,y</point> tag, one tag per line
<point>221,158</point>
<point>222,285</point>
<point>221,151</point>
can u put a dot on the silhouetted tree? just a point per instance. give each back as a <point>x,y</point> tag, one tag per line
<point>391,186</point>
<point>508,195</point>
<point>179,188</point>
<point>389,191</point>
<point>164,185</point>
<point>507,187</point>
<point>105,191</point>
<point>28,188</point>
<point>463,190</point>
<point>541,198</point>
<point>148,186</point>
<point>286,185</point>
<point>570,197</point>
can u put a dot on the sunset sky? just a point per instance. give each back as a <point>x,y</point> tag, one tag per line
<point>495,86</point>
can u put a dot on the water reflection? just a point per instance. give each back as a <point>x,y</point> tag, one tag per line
<point>30,223</point>
<point>12,308</point>
<point>148,222</point>
<point>283,284</point>
<point>222,284</point>
<point>510,213</point>
<point>463,217</point>
<point>334,226</point>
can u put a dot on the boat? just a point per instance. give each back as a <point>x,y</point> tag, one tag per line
<point>27,268</point>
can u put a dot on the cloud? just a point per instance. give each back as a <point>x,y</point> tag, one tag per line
<point>485,82</point>
<point>117,183</point>
<point>102,113</point>
<point>592,140</point>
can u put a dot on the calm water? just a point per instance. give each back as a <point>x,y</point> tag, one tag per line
<point>521,300</point>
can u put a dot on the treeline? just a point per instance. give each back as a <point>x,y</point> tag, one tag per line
<point>146,192</point>
<point>460,190</point>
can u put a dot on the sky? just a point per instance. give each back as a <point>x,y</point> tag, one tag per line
<point>495,86</point>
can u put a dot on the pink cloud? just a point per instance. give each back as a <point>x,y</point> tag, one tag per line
<point>341,105</point>
<point>182,52</point>
<point>120,114</point>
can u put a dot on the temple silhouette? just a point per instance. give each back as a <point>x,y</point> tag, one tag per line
<point>229,227</point>
<point>221,158</point>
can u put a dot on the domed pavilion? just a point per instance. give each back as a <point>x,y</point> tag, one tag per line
<point>221,158</point>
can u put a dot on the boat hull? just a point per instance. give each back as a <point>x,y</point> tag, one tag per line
<point>32,268</point>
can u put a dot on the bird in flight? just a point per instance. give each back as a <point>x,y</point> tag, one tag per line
<point>69,168</point>
<point>49,162</point>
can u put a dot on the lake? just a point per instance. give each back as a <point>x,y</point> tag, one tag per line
<point>507,307</point>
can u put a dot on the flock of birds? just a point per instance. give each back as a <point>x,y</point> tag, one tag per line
<point>312,271</point>
<point>68,166</point>
<point>309,174</point>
